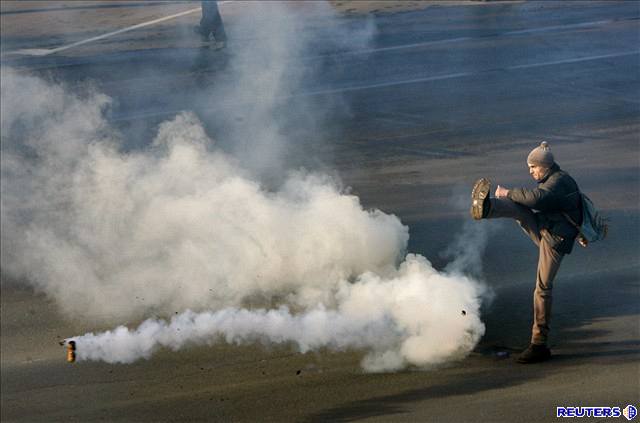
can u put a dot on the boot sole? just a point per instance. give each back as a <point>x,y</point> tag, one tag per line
<point>478,195</point>
<point>535,360</point>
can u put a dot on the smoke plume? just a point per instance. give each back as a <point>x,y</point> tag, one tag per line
<point>175,226</point>
<point>116,235</point>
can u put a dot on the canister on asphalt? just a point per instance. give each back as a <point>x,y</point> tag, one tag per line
<point>71,351</point>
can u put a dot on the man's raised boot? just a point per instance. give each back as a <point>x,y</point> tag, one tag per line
<point>480,199</point>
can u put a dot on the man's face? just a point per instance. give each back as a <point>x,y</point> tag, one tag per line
<point>537,172</point>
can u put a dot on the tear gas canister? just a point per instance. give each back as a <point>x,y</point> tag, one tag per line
<point>71,351</point>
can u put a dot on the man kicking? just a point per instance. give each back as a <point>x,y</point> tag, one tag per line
<point>540,213</point>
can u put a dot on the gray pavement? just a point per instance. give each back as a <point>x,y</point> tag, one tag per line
<point>439,97</point>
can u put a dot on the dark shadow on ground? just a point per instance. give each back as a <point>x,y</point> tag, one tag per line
<point>462,384</point>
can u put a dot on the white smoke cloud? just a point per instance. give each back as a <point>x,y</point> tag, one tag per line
<point>115,235</point>
<point>178,226</point>
<point>118,235</point>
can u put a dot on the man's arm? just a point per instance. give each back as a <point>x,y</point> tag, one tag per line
<point>538,199</point>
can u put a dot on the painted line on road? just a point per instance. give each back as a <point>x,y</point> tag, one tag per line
<point>576,60</point>
<point>410,46</point>
<point>557,27</point>
<point>480,37</point>
<point>463,74</point>
<point>384,84</point>
<point>46,52</point>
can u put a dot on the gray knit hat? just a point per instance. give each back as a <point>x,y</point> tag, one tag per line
<point>541,156</point>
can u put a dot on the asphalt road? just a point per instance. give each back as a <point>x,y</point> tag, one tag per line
<point>438,98</point>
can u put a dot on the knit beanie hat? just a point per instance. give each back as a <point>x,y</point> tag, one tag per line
<point>541,156</point>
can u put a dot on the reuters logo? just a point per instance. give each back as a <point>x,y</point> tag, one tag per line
<point>630,412</point>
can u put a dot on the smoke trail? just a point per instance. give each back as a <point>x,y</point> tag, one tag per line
<point>273,45</point>
<point>467,248</point>
<point>417,317</point>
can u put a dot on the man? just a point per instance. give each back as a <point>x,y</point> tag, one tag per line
<point>211,24</point>
<point>540,212</point>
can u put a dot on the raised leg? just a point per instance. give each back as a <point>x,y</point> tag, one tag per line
<point>505,208</point>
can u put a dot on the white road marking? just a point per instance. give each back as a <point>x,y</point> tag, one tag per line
<point>409,46</point>
<point>553,28</point>
<point>384,84</point>
<point>480,37</point>
<point>393,121</point>
<point>575,60</point>
<point>46,52</point>
<point>462,74</point>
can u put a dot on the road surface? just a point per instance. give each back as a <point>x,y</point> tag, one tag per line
<point>438,97</point>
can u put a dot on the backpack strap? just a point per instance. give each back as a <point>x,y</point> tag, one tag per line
<point>566,215</point>
<point>573,223</point>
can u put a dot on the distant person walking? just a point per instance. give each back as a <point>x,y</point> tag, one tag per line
<point>542,214</point>
<point>211,24</point>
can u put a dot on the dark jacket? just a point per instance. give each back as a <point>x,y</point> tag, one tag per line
<point>557,192</point>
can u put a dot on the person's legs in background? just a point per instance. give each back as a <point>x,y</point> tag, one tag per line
<point>211,23</point>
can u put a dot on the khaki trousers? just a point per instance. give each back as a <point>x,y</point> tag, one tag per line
<point>548,263</point>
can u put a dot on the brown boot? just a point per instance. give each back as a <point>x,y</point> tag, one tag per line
<point>534,354</point>
<point>480,199</point>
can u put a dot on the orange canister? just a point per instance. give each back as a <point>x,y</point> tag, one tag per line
<point>71,351</point>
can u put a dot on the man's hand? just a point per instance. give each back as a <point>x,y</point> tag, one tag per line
<point>501,192</point>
